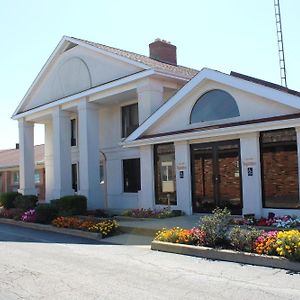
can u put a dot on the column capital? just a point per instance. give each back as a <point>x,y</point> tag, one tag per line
<point>250,135</point>
<point>297,130</point>
<point>149,85</point>
<point>57,112</point>
<point>85,105</point>
<point>23,123</point>
<point>179,143</point>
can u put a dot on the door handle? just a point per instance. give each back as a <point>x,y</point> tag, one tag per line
<point>216,178</point>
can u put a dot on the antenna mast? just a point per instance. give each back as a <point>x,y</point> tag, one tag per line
<point>280,43</point>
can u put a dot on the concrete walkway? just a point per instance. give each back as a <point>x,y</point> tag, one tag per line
<point>150,226</point>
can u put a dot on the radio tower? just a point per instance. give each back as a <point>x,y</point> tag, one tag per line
<point>280,43</point>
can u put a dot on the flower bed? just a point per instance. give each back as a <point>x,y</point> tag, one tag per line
<point>214,232</point>
<point>91,224</point>
<point>152,213</point>
<point>271,221</point>
<point>105,227</point>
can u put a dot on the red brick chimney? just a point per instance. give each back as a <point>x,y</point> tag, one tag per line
<point>163,51</point>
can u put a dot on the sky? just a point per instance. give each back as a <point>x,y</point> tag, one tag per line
<point>231,35</point>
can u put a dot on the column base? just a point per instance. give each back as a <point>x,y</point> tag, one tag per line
<point>58,193</point>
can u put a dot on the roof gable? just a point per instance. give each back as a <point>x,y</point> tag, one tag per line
<point>134,62</point>
<point>284,97</point>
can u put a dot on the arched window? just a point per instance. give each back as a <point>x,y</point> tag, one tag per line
<point>214,105</point>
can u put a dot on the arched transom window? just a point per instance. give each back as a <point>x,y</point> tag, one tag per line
<point>214,105</point>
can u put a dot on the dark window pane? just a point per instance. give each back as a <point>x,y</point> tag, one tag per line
<point>131,175</point>
<point>279,163</point>
<point>101,172</point>
<point>73,132</point>
<point>165,174</point>
<point>75,177</point>
<point>214,105</point>
<point>130,119</point>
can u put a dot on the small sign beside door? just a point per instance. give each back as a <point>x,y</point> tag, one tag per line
<point>250,171</point>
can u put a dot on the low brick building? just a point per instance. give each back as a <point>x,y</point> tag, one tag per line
<point>9,170</point>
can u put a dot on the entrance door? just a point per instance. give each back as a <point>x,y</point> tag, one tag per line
<point>216,176</point>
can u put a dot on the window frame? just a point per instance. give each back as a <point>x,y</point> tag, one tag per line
<point>15,175</point>
<point>74,132</point>
<point>75,183</point>
<point>138,173</point>
<point>264,206</point>
<point>160,168</point>
<point>213,120</point>
<point>37,173</point>
<point>125,132</point>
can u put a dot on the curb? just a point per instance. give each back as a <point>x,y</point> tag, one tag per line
<point>227,255</point>
<point>50,228</point>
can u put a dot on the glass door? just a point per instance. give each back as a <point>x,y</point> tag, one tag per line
<point>228,176</point>
<point>203,172</point>
<point>216,176</point>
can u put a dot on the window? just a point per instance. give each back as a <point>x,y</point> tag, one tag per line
<point>37,176</point>
<point>165,174</point>
<point>214,105</point>
<point>75,177</point>
<point>279,168</point>
<point>131,175</point>
<point>130,119</point>
<point>73,132</point>
<point>101,171</point>
<point>16,178</point>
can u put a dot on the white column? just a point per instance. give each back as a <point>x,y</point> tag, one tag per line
<point>150,98</point>
<point>147,193</point>
<point>298,154</point>
<point>89,157</point>
<point>183,177</point>
<point>49,171</point>
<point>250,157</point>
<point>61,141</point>
<point>26,141</point>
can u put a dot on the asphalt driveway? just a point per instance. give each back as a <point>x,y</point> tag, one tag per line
<point>40,265</point>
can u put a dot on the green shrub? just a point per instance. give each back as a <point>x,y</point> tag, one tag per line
<point>71,205</point>
<point>7,199</point>
<point>11,213</point>
<point>243,239</point>
<point>26,202</point>
<point>45,213</point>
<point>215,226</point>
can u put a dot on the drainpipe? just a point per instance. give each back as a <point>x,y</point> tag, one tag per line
<point>105,181</point>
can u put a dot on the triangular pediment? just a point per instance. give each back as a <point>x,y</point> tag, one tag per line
<point>72,68</point>
<point>254,101</point>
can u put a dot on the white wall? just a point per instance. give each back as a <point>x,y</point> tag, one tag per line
<point>250,107</point>
<point>251,185</point>
<point>183,185</point>
<point>110,139</point>
<point>76,70</point>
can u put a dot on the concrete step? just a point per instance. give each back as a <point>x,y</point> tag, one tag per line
<point>144,231</point>
<point>128,239</point>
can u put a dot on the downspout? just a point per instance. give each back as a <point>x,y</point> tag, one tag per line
<point>105,181</point>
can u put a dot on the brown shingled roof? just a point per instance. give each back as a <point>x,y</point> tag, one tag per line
<point>157,65</point>
<point>265,83</point>
<point>11,157</point>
